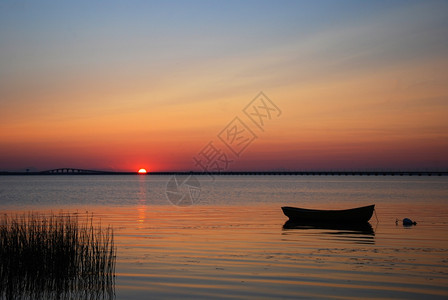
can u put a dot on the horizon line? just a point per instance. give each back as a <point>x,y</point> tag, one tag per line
<point>74,171</point>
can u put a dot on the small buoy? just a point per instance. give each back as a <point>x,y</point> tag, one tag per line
<point>408,222</point>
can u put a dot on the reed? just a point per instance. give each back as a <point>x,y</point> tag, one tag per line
<point>55,256</point>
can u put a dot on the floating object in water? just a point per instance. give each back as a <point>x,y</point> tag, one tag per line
<point>408,222</point>
<point>353,215</point>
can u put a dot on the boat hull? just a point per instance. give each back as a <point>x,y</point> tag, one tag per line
<point>353,215</point>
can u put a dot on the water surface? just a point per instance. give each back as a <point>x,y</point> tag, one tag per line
<point>232,242</point>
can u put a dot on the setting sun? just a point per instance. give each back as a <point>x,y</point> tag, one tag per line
<point>142,171</point>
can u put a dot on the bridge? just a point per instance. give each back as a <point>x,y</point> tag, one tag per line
<point>70,171</point>
<point>74,171</point>
<point>67,171</point>
<point>313,173</point>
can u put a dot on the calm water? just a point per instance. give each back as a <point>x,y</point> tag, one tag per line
<point>231,242</point>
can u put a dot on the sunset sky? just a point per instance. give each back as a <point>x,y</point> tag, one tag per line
<point>123,85</point>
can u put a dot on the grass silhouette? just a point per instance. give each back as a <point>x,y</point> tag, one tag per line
<point>55,257</point>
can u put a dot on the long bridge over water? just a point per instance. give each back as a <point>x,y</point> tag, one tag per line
<point>75,171</point>
<point>71,171</point>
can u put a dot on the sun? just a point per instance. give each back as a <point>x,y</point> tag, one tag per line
<point>142,171</point>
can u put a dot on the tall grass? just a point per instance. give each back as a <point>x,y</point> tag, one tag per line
<point>55,256</point>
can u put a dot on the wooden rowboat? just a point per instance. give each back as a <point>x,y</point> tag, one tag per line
<point>353,215</point>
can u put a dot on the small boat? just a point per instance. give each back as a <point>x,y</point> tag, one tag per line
<point>353,215</point>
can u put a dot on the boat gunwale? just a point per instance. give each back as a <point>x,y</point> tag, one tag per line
<point>328,210</point>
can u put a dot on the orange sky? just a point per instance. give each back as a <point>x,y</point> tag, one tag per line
<point>120,88</point>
